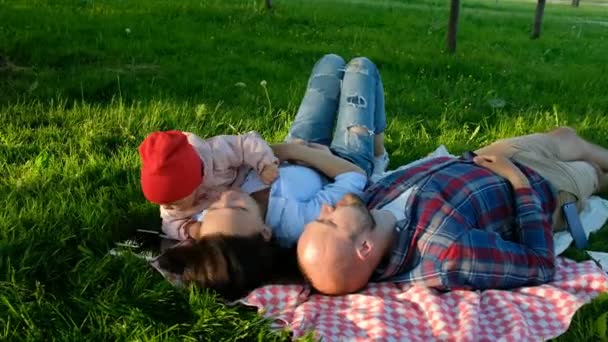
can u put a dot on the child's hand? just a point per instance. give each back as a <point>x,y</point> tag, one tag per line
<point>194,230</point>
<point>269,173</point>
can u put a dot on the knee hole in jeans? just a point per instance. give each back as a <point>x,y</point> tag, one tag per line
<point>360,64</point>
<point>360,130</point>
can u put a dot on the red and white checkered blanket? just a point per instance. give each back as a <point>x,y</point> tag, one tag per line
<point>392,312</point>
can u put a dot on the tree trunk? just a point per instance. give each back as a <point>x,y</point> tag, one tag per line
<point>538,19</point>
<point>453,25</point>
<point>575,3</point>
<point>268,4</point>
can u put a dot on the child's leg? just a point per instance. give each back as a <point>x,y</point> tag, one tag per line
<point>317,113</point>
<point>360,114</point>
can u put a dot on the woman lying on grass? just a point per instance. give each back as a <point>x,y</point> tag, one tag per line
<point>258,228</point>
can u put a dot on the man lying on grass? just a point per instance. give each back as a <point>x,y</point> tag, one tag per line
<point>481,221</point>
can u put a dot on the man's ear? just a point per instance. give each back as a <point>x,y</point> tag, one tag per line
<point>266,233</point>
<point>364,249</point>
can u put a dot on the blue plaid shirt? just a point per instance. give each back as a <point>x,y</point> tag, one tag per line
<point>466,228</point>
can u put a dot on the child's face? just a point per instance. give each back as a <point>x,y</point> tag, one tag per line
<point>182,204</point>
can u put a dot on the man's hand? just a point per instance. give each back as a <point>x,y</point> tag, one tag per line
<point>269,173</point>
<point>503,167</point>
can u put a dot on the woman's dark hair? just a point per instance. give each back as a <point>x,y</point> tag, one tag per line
<point>232,265</point>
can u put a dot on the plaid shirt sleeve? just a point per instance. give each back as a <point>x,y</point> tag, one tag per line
<point>481,259</point>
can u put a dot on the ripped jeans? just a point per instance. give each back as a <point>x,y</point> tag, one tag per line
<point>347,99</point>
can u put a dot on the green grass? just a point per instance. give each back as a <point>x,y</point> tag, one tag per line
<point>84,92</point>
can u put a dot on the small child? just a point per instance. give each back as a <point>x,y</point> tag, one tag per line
<point>184,174</point>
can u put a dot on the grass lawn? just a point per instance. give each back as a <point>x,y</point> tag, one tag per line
<point>88,79</point>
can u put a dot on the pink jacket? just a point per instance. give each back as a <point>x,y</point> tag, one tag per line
<point>227,159</point>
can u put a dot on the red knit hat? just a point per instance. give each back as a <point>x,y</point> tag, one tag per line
<point>171,169</point>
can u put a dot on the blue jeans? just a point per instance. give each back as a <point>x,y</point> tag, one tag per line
<point>349,97</point>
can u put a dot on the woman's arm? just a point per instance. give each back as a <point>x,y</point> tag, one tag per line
<point>324,161</point>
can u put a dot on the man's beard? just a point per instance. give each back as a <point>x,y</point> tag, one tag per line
<point>357,203</point>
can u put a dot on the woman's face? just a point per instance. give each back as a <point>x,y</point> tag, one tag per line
<point>234,213</point>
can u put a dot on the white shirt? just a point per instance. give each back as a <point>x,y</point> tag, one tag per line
<point>397,206</point>
<point>297,195</point>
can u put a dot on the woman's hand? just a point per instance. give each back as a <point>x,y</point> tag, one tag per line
<point>286,151</point>
<point>316,146</point>
<point>503,167</point>
<point>316,156</point>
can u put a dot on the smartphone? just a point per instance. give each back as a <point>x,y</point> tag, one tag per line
<point>574,225</point>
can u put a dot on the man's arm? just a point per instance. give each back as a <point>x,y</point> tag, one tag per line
<point>327,163</point>
<point>483,260</point>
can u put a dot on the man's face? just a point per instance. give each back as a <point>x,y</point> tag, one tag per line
<point>234,213</point>
<point>328,247</point>
<point>347,220</point>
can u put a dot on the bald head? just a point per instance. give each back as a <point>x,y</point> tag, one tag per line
<point>328,263</point>
<point>334,250</point>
